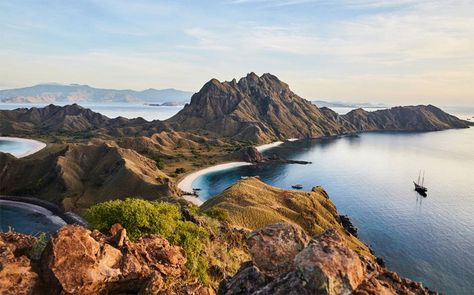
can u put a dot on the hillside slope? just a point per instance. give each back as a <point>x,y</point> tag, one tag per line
<point>251,204</point>
<point>78,175</point>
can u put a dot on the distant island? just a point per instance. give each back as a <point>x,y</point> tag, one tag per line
<point>75,93</point>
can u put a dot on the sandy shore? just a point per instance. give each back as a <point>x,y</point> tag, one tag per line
<point>264,147</point>
<point>186,184</point>
<point>36,146</point>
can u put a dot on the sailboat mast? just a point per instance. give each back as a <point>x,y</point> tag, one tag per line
<point>423,181</point>
<point>419,174</point>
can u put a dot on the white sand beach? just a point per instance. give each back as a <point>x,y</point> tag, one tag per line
<point>264,147</point>
<point>186,184</point>
<point>35,145</point>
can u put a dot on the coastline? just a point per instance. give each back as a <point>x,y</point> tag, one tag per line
<point>186,184</point>
<point>36,145</point>
<point>67,217</point>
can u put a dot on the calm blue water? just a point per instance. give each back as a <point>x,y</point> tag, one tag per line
<point>112,110</point>
<point>28,219</point>
<point>14,147</point>
<point>370,178</point>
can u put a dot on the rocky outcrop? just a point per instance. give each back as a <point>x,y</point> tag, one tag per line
<point>323,265</point>
<point>17,276</point>
<point>249,154</point>
<point>78,261</point>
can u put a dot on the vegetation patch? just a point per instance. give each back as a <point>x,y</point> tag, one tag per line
<point>140,217</point>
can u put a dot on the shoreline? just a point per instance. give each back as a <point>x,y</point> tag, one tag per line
<point>67,217</point>
<point>186,184</point>
<point>36,145</point>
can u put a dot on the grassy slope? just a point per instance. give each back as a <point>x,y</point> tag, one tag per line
<point>252,204</point>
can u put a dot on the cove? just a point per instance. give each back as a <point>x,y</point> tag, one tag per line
<point>370,178</point>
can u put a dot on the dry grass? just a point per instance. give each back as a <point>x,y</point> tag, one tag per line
<point>252,204</point>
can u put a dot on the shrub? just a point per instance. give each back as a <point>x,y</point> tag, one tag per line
<point>179,170</point>
<point>140,217</point>
<point>38,246</point>
<point>217,213</point>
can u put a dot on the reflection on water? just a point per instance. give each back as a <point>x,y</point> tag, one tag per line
<point>370,178</point>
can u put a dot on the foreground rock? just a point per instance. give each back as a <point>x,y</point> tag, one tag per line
<point>16,273</point>
<point>78,261</point>
<point>284,261</point>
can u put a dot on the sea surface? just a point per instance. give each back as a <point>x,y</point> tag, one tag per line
<point>113,110</point>
<point>27,218</point>
<point>370,178</point>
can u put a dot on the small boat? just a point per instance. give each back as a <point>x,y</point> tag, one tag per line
<point>419,186</point>
<point>196,189</point>
<point>297,186</point>
<point>244,177</point>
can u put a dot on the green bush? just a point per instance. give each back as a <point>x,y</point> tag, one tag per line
<point>38,246</point>
<point>179,170</point>
<point>217,213</point>
<point>140,217</point>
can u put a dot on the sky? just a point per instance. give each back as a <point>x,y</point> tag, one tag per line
<point>397,52</point>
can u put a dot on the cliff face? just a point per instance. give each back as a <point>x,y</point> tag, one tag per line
<point>78,175</point>
<point>258,109</point>
<point>263,109</point>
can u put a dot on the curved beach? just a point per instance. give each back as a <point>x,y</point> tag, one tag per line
<point>36,145</point>
<point>186,184</point>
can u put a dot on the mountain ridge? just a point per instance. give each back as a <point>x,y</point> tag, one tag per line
<point>263,109</point>
<point>74,93</point>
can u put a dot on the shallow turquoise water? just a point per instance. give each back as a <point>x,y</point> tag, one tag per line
<point>370,178</point>
<point>14,147</point>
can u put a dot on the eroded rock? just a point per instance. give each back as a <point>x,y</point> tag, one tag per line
<point>16,273</point>
<point>78,261</point>
<point>274,247</point>
<point>326,265</point>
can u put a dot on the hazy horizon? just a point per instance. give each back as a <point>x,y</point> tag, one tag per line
<point>409,52</point>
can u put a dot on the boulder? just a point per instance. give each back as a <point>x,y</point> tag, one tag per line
<point>274,247</point>
<point>78,261</point>
<point>328,266</point>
